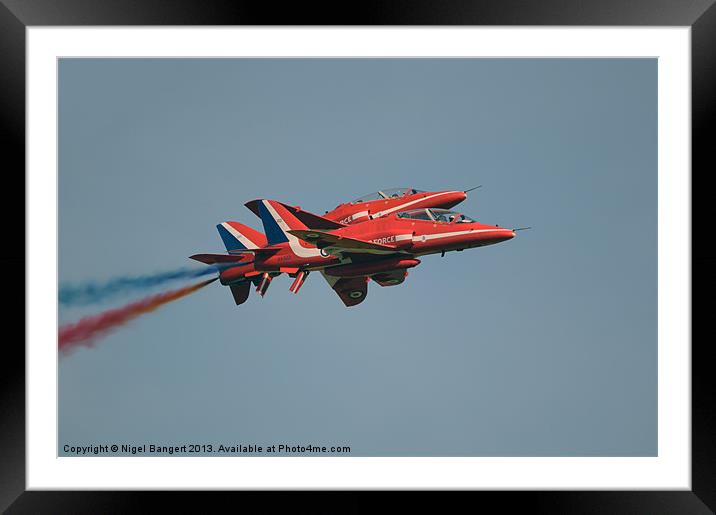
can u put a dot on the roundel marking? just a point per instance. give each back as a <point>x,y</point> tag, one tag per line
<point>355,294</point>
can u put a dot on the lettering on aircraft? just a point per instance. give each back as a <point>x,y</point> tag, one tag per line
<point>386,239</point>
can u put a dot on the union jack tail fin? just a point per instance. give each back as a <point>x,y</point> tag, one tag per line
<point>237,237</point>
<point>277,221</point>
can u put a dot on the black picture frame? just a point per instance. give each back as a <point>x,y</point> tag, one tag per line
<point>16,15</point>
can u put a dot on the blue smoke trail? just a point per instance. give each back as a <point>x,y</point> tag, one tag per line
<point>95,292</point>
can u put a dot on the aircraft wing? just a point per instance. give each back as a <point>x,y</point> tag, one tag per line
<point>307,218</point>
<point>236,256</point>
<point>334,244</point>
<point>352,291</point>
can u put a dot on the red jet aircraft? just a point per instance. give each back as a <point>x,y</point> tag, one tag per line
<point>347,256</point>
<point>378,204</point>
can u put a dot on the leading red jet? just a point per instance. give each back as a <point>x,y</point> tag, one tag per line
<point>348,256</point>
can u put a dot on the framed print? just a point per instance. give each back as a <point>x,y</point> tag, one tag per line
<point>533,336</point>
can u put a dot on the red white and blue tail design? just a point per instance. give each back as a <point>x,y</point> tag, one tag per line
<point>279,224</point>
<point>238,237</point>
<point>278,221</point>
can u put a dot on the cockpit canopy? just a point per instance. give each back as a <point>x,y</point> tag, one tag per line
<point>387,194</point>
<point>435,215</point>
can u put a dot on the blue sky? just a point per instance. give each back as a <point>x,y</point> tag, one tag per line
<point>541,346</point>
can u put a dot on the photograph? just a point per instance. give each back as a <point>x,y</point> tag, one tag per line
<point>306,256</point>
<point>488,227</point>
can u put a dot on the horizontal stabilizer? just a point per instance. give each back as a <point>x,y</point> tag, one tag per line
<point>308,219</point>
<point>236,256</point>
<point>333,243</point>
<point>212,259</point>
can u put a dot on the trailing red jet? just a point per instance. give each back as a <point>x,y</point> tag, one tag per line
<point>378,204</point>
<point>348,256</point>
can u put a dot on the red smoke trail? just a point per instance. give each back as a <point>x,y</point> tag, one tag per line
<point>86,330</point>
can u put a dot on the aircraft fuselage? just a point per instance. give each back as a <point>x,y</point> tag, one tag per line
<point>412,237</point>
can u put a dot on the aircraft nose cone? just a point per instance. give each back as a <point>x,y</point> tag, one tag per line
<point>452,198</point>
<point>504,234</point>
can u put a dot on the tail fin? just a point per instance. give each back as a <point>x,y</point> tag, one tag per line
<point>277,221</point>
<point>237,237</point>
